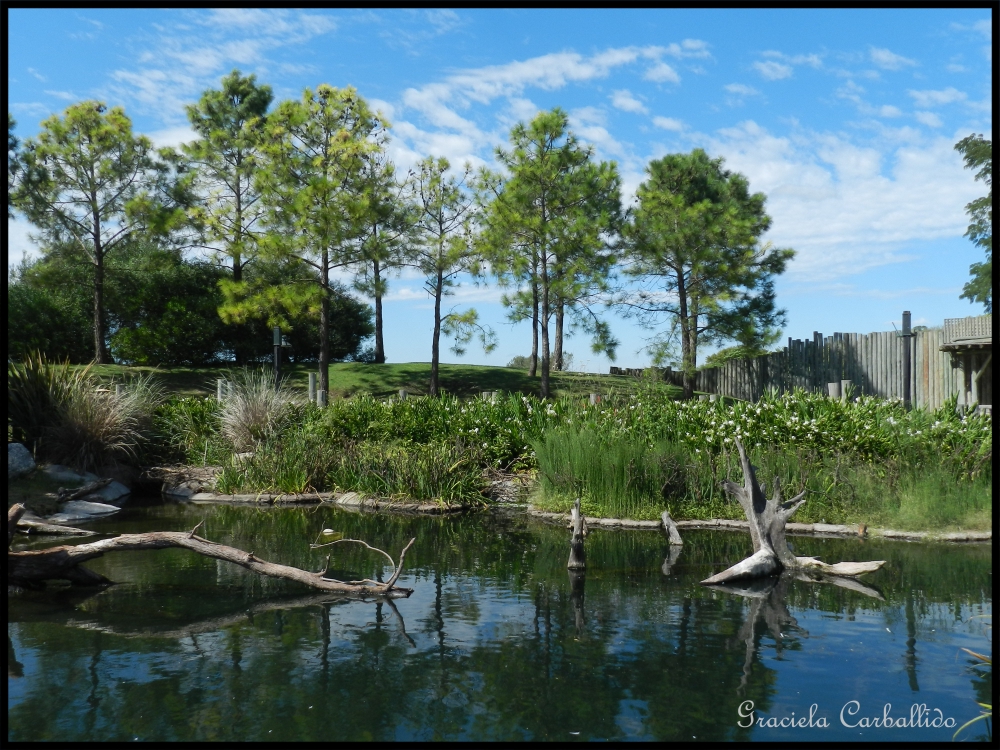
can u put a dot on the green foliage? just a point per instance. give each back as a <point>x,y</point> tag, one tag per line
<point>694,245</point>
<point>863,460</point>
<point>978,154</point>
<point>187,430</point>
<point>91,184</point>
<point>98,427</point>
<point>442,472</point>
<point>719,358</point>
<point>315,151</point>
<point>162,310</point>
<point>35,389</point>
<point>442,251</point>
<point>49,318</point>
<point>69,418</point>
<point>544,228</point>
<point>13,162</point>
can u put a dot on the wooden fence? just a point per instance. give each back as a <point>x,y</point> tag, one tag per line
<point>872,362</point>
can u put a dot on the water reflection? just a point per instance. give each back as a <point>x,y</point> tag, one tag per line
<point>498,641</point>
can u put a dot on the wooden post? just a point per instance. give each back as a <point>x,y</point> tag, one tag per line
<point>277,357</point>
<point>402,394</point>
<point>230,390</point>
<point>320,398</point>
<point>703,397</point>
<point>906,358</point>
<point>577,557</point>
<point>119,390</point>
<point>845,386</point>
<point>833,389</point>
<point>713,397</point>
<point>220,389</point>
<point>595,399</point>
<point>312,387</point>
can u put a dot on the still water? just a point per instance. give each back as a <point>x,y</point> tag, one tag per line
<point>498,640</point>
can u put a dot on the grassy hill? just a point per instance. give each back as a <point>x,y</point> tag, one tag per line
<point>350,378</point>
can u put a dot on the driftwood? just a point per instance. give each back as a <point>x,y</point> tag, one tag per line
<point>671,528</point>
<point>577,556</point>
<point>673,552</point>
<point>767,519</point>
<point>87,489</point>
<point>31,567</point>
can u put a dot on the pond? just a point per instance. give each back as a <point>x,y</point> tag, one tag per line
<point>498,640</point>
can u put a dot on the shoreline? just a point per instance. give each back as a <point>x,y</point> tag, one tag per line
<point>355,501</point>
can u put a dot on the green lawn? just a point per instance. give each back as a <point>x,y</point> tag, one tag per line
<point>350,378</point>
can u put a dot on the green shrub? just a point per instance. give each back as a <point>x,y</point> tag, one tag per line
<point>69,418</point>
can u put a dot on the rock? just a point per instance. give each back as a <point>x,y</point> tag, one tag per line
<point>60,473</point>
<point>182,491</point>
<point>112,492</point>
<point>19,461</point>
<point>91,508</point>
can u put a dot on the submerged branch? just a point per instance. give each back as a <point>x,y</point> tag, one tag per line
<point>31,567</point>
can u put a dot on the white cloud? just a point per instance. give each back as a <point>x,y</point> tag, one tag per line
<point>18,243</point>
<point>929,119</point>
<point>172,137</point>
<point>741,89</point>
<point>36,74</point>
<point>443,20</point>
<point>887,110</point>
<point>888,60</point>
<point>661,73</point>
<point>982,26</point>
<point>67,95</point>
<point>180,62</point>
<point>668,123</point>
<point>846,207</point>
<point>955,68</point>
<point>688,48</point>
<point>624,100</point>
<point>30,109</point>
<point>812,60</point>
<point>930,98</point>
<point>773,71</point>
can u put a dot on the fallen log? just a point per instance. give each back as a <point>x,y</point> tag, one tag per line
<point>31,567</point>
<point>767,520</point>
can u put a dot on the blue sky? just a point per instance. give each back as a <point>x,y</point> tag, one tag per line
<point>845,119</point>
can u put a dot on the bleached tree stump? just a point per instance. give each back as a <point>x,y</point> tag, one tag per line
<point>577,556</point>
<point>767,519</point>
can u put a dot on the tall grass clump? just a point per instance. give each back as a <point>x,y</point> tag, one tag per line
<point>69,418</point>
<point>255,410</point>
<point>35,390</point>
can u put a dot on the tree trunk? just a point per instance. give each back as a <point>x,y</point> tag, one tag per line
<point>557,355</point>
<point>767,519</point>
<point>577,556</point>
<point>687,368</point>
<point>100,346</point>
<point>533,365</point>
<point>239,332</point>
<point>324,324</point>
<point>32,567</point>
<point>436,340</point>
<point>379,345</point>
<point>545,328</point>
